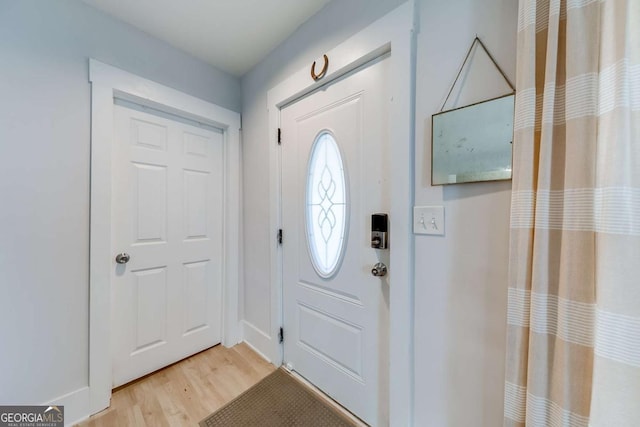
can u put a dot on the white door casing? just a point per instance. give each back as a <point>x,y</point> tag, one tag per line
<point>335,310</point>
<point>109,83</point>
<point>168,202</point>
<point>394,33</point>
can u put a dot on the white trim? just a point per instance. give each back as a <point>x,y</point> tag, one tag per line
<point>108,82</point>
<point>393,33</point>
<point>75,404</point>
<point>256,339</point>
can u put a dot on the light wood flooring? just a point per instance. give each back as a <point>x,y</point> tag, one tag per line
<point>184,393</point>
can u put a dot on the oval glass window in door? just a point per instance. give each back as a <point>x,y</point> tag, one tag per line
<point>326,207</point>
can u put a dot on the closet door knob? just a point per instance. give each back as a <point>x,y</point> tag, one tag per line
<point>122,258</point>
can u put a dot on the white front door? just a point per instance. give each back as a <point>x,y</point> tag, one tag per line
<point>334,177</point>
<point>168,199</point>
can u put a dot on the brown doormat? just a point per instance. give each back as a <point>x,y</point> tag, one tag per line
<point>278,400</point>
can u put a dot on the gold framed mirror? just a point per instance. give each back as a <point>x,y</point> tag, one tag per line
<point>473,143</point>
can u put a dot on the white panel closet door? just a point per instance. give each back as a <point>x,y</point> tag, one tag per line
<point>168,199</point>
<point>334,177</point>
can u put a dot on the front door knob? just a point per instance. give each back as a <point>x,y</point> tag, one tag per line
<point>122,258</point>
<point>379,270</point>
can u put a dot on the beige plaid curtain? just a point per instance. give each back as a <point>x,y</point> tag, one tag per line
<point>573,344</point>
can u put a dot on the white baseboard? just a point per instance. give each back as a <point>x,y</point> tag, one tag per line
<point>76,405</point>
<point>260,342</point>
<point>258,352</point>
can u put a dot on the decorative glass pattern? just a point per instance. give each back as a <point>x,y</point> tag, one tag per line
<point>326,207</point>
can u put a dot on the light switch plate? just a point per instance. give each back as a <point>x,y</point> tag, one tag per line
<point>428,220</point>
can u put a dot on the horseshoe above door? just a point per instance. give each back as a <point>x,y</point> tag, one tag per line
<point>320,75</point>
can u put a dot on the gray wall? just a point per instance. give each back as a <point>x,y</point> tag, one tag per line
<point>44,178</point>
<point>461,278</point>
<point>339,20</point>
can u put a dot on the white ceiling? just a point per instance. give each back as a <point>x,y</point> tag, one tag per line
<point>233,35</point>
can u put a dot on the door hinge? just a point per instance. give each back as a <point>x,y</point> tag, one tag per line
<point>281,335</point>
<point>280,236</point>
<point>279,136</point>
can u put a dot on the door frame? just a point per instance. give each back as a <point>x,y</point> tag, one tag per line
<point>395,33</point>
<point>108,83</point>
